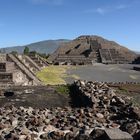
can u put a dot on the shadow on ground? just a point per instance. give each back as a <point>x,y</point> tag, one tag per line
<point>57,96</point>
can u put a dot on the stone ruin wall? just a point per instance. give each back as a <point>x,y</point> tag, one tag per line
<point>110,56</point>
<point>103,99</point>
<point>94,48</point>
<point>92,51</point>
<point>13,68</point>
<point>21,79</point>
<point>29,64</point>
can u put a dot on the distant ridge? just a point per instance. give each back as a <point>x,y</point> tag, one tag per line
<point>47,46</point>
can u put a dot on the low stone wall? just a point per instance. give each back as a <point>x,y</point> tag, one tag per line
<point>107,104</point>
<point>87,90</point>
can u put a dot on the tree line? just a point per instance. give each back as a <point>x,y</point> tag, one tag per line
<point>27,51</point>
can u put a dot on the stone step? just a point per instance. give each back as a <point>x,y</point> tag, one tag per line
<point>38,60</point>
<point>22,61</point>
<point>27,58</point>
<point>24,69</point>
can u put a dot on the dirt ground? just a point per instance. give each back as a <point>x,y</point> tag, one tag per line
<point>49,96</point>
<point>37,97</point>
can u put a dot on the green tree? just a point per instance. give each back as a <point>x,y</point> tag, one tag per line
<point>26,50</point>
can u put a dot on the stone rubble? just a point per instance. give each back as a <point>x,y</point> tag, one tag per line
<point>109,114</point>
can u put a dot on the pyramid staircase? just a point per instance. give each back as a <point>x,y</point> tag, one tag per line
<point>30,75</point>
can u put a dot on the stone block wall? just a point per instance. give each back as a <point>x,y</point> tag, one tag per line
<point>16,70</point>
<point>6,77</point>
<point>20,79</point>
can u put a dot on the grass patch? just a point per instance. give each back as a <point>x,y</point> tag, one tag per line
<point>53,75</point>
<point>123,90</point>
<point>135,102</point>
<point>63,89</point>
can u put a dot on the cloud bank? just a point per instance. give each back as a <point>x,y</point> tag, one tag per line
<point>106,9</point>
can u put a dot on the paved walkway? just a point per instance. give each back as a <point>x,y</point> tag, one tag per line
<point>101,72</point>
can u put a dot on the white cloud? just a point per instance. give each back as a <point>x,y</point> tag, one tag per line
<point>100,11</point>
<point>122,6</point>
<point>108,9</point>
<point>49,2</point>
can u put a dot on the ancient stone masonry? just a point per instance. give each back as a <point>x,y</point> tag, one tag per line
<point>105,116</point>
<point>7,71</point>
<point>112,56</point>
<point>105,56</point>
<point>92,49</point>
<point>12,77</point>
<point>18,70</point>
<point>38,60</point>
<point>119,112</point>
<point>5,74</point>
<point>6,66</point>
<point>29,63</point>
<point>26,71</point>
<point>73,59</point>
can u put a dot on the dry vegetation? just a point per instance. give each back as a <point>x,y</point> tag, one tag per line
<point>53,75</point>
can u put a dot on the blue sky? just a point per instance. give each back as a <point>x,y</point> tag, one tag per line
<point>27,21</point>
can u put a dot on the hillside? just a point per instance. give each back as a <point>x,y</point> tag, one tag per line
<point>47,46</point>
<point>91,47</point>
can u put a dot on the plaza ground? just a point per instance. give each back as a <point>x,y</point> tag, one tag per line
<point>97,72</point>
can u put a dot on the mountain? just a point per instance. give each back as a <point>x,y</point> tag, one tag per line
<point>93,47</point>
<point>47,46</point>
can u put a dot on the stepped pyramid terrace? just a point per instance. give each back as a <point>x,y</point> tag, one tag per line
<point>92,49</point>
<point>16,69</point>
